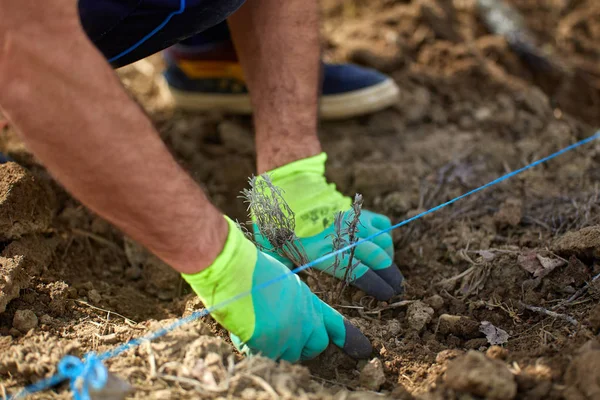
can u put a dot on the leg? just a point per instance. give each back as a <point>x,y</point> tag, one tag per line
<point>120,28</point>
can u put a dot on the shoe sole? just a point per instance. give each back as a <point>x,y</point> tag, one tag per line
<point>353,104</point>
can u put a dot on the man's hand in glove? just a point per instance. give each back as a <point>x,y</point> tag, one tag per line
<point>315,203</point>
<point>281,318</point>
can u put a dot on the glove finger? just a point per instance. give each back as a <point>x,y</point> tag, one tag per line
<point>345,335</point>
<point>372,256</point>
<point>316,344</point>
<point>380,262</point>
<point>373,285</point>
<point>393,277</point>
<point>385,240</point>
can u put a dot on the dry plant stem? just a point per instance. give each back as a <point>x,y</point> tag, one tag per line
<point>129,321</point>
<point>549,313</point>
<point>352,233</point>
<point>338,241</point>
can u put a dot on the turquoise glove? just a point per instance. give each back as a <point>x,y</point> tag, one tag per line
<point>282,320</point>
<point>315,203</point>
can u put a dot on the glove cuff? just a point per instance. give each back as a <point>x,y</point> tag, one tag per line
<point>230,275</point>
<point>313,200</point>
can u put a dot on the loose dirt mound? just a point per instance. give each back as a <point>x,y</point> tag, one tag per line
<point>518,260</point>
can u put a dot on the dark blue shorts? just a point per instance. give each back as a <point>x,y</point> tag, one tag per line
<point>126,30</point>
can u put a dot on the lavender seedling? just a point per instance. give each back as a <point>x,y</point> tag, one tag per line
<point>347,229</point>
<point>274,219</point>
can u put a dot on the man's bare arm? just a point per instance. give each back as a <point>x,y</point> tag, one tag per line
<point>72,112</point>
<point>278,45</point>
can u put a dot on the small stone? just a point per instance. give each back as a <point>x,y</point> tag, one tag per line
<point>436,302</point>
<point>372,375</point>
<point>419,315</point>
<point>46,319</point>
<point>24,320</point>
<point>94,296</point>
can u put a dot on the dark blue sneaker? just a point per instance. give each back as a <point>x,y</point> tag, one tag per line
<point>212,79</point>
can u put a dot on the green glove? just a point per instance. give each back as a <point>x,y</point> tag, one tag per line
<point>315,203</point>
<point>281,318</point>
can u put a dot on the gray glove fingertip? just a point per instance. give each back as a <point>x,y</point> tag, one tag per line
<point>373,285</point>
<point>357,345</point>
<point>393,277</point>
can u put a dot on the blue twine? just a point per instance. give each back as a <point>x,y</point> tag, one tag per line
<point>152,33</point>
<point>91,372</point>
<point>81,374</point>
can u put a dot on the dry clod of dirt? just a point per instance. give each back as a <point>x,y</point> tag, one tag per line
<point>419,315</point>
<point>446,355</point>
<point>94,296</point>
<point>460,326</point>
<point>24,320</point>
<point>12,279</point>
<point>19,261</point>
<point>510,213</point>
<point>583,374</point>
<point>26,204</point>
<point>497,353</point>
<point>584,243</point>
<point>436,302</point>
<point>372,375</point>
<point>46,319</point>
<point>478,375</point>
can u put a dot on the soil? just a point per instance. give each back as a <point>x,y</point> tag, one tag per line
<point>519,258</point>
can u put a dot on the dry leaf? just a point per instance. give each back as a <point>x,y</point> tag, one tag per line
<point>548,265</point>
<point>538,265</point>
<point>494,335</point>
<point>529,262</point>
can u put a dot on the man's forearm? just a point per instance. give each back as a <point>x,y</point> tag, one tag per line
<point>278,45</point>
<point>69,106</point>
